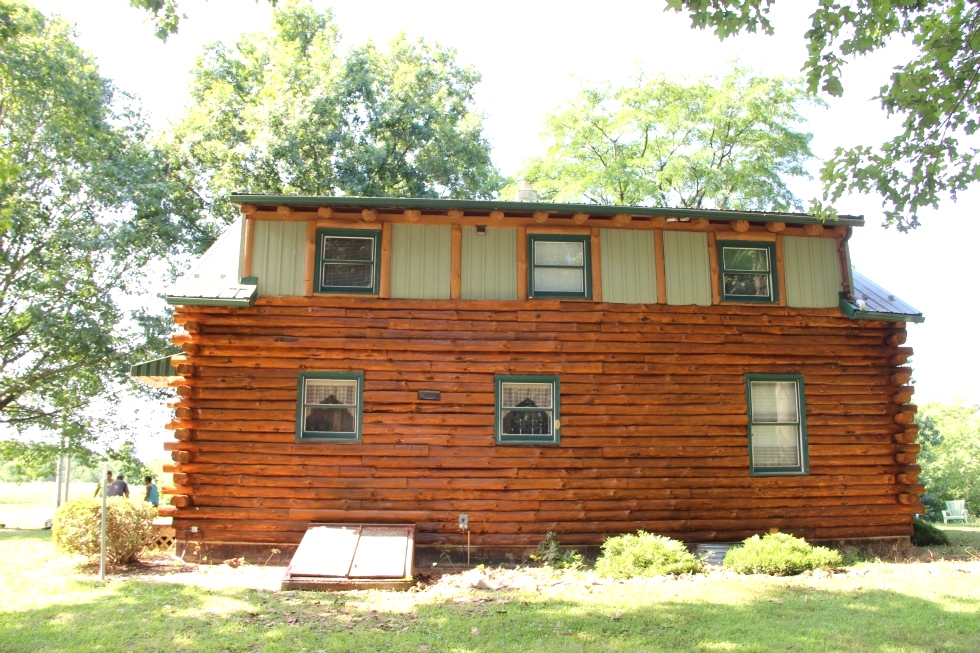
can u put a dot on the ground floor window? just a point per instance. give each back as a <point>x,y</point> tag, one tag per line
<point>777,424</point>
<point>329,406</point>
<point>527,410</point>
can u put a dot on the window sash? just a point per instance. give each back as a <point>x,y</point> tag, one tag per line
<point>556,271</point>
<point>777,424</point>
<point>535,422</point>
<point>331,277</point>
<point>330,406</point>
<point>748,278</point>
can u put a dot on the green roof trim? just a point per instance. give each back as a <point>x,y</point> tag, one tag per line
<point>247,300</point>
<point>156,373</point>
<point>853,312</point>
<point>485,206</point>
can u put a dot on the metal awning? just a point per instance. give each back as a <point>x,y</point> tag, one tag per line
<point>157,373</point>
<point>872,302</point>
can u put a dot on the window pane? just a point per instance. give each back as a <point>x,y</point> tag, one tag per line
<point>526,395</point>
<point>774,401</point>
<point>775,446</point>
<point>331,391</point>
<point>568,280</point>
<point>557,253</point>
<point>347,275</point>
<point>739,258</point>
<point>338,248</point>
<point>747,285</point>
<point>329,420</point>
<point>526,422</point>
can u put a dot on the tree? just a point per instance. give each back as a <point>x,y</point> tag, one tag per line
<point>166,15</point>
<point>717,143</point>
<point>85,208</point>
<point>949,435</point>
<point>284,113</point>
<point>935,94</point>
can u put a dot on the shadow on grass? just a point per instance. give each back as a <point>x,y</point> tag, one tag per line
<point>151,617</point>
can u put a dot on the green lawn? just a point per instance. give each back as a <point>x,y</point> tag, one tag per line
<point>51,606</point>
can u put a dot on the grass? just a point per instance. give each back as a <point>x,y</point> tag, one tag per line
<point>28,505</point>
<point>49,606</point>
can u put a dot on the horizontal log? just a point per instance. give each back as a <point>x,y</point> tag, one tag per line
<point>181,501</point>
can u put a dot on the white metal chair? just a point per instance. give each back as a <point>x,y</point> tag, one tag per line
<point>955,510</point>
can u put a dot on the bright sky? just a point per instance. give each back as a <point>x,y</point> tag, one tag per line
<point>534,55</point>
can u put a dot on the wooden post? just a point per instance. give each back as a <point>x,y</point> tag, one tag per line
<point>713,266</point>
<point>780,270</point>
<point>522,254</point>
<point>455,262</point>
<point>384,284</point>
<point>309,264</point>
<point>658,255</point>
<point>248,247</point>
<point>596,267</point>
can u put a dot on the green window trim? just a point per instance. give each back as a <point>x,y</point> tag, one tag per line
<point>512,418</point>
<point>342,421</point>
<point>730,273</point>
<point>535,239</point>
<point>777,463</point>
<point>321,285</point>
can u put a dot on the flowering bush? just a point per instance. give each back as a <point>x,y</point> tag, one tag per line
<point>77,528</point>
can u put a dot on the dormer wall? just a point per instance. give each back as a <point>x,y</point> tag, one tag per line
<point>644,261</point>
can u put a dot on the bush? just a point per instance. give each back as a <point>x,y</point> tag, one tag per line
<point>779,554</point>
<point>550,554</point>
<point>925,534</point>
<point>644,554</point>
<point>77,528</point>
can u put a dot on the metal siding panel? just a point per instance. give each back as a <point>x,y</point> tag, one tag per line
<point>278,257</point>
<point>420,261</point>
<point>628,269</point>
<point>813,278</point>
<point>489,264</point>
<point>687,271</point>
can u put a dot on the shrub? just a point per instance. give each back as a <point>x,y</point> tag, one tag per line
<point>77,528</point>
<point>925,534</point>
<point>780,554</point>
<point>644,554</point>
<point>550,554</point>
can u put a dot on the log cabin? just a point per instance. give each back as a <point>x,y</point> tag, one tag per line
<point>586,370</point>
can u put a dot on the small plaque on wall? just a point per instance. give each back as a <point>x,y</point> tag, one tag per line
<point>429,395</point>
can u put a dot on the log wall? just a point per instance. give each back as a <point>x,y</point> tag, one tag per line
<point>653,421</point>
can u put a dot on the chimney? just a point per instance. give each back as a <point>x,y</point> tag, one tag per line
<point>526,193</point>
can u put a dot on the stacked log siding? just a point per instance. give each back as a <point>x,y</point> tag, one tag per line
<point>653,421</point>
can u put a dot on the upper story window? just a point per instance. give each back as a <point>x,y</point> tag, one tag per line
<point>527,410</point>
<point>559,266</point>
<point>777,424</point>
<point>748,271</point>
<point>329,406</point>
<point>347,261</point>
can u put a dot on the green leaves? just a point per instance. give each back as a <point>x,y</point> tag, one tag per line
<point>283,112</point>
<point>717,143</point>
<point>935,93</point>
<point>82,211</point>
<point>950,438</point>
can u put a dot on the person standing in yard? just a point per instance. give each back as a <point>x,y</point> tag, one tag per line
<point>108,482</point>
<point>118,488</point>
<point>152,493</point>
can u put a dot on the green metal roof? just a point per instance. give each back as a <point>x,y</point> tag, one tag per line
<point>213,280</point>
<point>156,373</point>
<point>872,302</point>
<point>485,206</point>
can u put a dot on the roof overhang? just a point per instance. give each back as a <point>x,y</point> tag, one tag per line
<point>484,207</point>
<point>157,373</point>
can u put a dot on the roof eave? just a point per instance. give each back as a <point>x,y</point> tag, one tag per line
<point>530,207</point>
<point>853,312</point>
